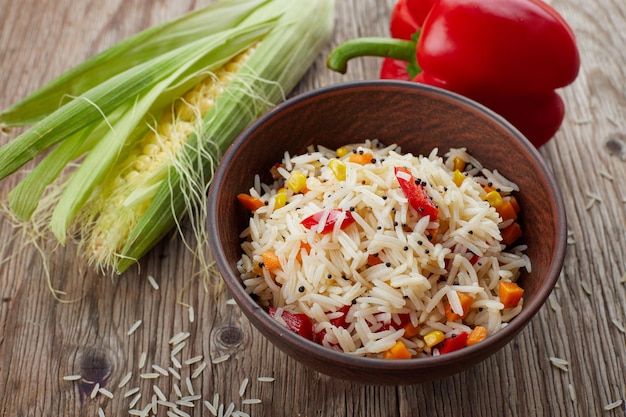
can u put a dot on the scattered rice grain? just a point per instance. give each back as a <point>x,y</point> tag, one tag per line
<point>159,393</point>
<point>572,392</point>
<point>150,375</point>
<point>221,359</point>
<point>134,401</point>
<point>177,348</point>
<point>101,412</point>
<point>231,302</point>
<point>265,379</point>
<point>559,363</point>
<point>177,390</point>
<point>181,413</point>
<point>243,386</point>
<point>251,401</point>
<point>586,287</point>
<point>176,362</point>
<point>131,392</point>
<point>193,360</point>
<point>179,338</point>
<point>604,173</point>
<point>185,403</point>
<point>189,386</point>
<point>174,372</point>
<point>554,304</point>
<point>142,360</point>
<point>160,370</point>
<point>153,282</point>
<point>210,407</point>
<point>229,410</point>
<point>192,398</point>
<point>105,392</point>
<point>613,405</point>
<point>167,404</point>
<point>134,327</point>
<point>139,413</point>
<point>72,377</point>
<point>94,391</point>
<point>619,325</point>
<point>192,315</point>
<point>125,380</point>
<point>199,370</point>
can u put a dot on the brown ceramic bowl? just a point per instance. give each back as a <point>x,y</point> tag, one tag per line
<point>418,118</point>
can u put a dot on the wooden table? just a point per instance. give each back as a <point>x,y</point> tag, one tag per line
<point>42,339</point>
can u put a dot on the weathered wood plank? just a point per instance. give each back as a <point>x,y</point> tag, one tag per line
<point>42,339</point>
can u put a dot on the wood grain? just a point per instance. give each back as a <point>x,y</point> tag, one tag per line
<point>42,339</point>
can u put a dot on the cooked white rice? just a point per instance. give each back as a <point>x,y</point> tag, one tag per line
<point>419,272</point>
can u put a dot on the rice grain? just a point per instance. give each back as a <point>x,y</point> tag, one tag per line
<point>613,405</point>
<point>153,282</point>
<point>134,327</point>
<point>125,380</point>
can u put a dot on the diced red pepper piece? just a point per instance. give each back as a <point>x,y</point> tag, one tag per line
<point>341,321</point>
<point>298,323</point>
<point>333,217</point>
<point>416,193</point>
<point>454,343</point>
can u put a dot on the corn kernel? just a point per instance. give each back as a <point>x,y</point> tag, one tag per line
<point>341,152</point>
<point>458,177</point>
<point>459,164</point>
<point>434,338</point>
<point>494,198</point>
<point>338,168</point>
<point>280,199</point>
<point>296,182</point>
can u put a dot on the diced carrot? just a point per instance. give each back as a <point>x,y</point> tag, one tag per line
<point>506,210</point>
<point>270,260</point>
<point>466,302</point>
<point>510,294</point>
<point>511,233</point>
<point>410,330</point>
<point>515,203</point>
<point>361,158</point>
<point>489,188</point>
<point>397,351</point>
<point>249,202</point>
<point>478,334</point>
<point>303,245</point>
<point>374,259</point>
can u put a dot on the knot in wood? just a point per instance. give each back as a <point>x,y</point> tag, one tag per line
<point>95,367</point>
<point>230,336</point>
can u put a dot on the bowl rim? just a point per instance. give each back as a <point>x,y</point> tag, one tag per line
<point>252,309</point>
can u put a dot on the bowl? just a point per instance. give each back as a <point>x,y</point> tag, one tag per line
<point>418,118</point>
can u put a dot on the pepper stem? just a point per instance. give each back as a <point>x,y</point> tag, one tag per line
<point>399,49</point>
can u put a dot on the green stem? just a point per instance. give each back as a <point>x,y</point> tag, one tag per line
<point>399,49</point>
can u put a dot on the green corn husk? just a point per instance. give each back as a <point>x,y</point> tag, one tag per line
<point>117,97</point>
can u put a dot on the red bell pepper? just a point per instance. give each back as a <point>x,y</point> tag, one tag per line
<point>406,19</point>
<point>332,217</point>
<point>453,343</point>
<point>416,194</point>
<point>298,323</point>
<point>510,55</point>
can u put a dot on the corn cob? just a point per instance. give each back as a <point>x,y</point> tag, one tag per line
<point>136,179</point>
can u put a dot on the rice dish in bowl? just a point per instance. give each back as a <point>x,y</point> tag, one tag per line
<point>420,120</point>
<point>372,252</point>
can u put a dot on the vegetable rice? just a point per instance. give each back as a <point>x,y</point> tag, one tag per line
<point>383,254</point>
